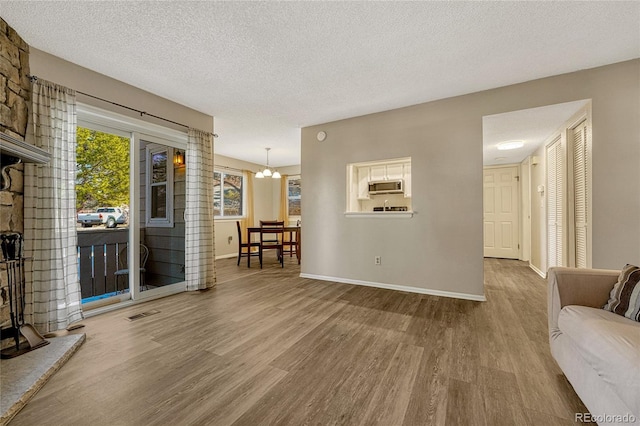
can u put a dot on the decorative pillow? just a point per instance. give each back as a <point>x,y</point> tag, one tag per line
<point>625,296</point>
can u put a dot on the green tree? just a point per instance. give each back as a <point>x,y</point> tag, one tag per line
<point>102,169</point>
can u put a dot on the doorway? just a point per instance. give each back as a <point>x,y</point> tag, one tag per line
<point>537,128</point>
<point>143,255</point>
<point>102,207</point>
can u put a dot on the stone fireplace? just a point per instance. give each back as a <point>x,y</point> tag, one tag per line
<point>15,96</point>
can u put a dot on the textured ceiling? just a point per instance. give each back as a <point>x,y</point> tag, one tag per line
<point>265,69</point>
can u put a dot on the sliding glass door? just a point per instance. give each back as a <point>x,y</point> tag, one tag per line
<point>102,205</point>
<point>130,189</point>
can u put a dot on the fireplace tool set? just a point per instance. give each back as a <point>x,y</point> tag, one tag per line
<point>13,265</point>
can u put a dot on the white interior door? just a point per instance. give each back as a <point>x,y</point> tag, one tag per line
<point>501,215</point>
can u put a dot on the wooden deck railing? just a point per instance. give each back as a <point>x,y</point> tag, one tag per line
<point>98,256</point>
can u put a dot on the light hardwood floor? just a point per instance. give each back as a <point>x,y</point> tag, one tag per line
<point>268,347</point>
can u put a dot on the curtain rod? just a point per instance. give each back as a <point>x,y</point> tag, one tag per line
<point>34,79</point>
<point>232,168</point>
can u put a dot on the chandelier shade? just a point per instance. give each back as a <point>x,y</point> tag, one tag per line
<point>267,171</point>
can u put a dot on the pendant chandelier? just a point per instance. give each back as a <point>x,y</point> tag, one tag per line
<point>267,171</point>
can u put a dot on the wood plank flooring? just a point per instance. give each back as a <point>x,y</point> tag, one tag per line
<point>266,347</point>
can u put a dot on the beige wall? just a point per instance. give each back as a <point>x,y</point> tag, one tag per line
<point>440,248</point>
<point>538,213</point>
<point>226,228</point>
<point>57,70</point>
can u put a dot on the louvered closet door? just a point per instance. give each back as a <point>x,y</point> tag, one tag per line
<point>555,203</point>
<point>580,190</point>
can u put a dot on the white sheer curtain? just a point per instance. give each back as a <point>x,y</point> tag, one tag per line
<point>54,301</point>
<point>199,239</point>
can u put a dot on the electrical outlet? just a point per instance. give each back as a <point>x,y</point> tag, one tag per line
<point>229,239</point>
<point>377,260</point>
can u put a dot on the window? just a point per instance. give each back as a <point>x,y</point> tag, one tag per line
<point>159,204</point>
<point>293,183</point>
<point>227,194</point>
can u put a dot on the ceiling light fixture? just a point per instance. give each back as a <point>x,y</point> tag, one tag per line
<point>267,171</point>
<point>510,145</point>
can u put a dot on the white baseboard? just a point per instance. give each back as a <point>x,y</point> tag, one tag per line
<point>420,290</point>
<point>537,271</point>
<point>227,256</point>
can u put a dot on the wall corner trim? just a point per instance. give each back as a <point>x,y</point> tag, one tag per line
<point>538,271</point>
<point>408,289</point>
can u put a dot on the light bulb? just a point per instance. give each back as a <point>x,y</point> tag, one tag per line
<point>510,145</point>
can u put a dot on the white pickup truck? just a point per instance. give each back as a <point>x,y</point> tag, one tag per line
<point>109,216</point>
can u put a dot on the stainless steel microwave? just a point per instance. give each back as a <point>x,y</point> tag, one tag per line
<point>386,187</point>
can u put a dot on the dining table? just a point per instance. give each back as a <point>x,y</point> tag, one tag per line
<point>291,230</point>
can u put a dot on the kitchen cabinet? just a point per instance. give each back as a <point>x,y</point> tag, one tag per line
<point>386,172</point>
<point>363,183</point>
<point>406,176</point>
<point>394,171</point>
<point>378,172</point>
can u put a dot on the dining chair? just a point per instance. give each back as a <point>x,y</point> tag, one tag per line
<point>271,237</point>
<point>123,268</point>
<point>270,224</point>
<point>248,245</point>
<point>291,246</point>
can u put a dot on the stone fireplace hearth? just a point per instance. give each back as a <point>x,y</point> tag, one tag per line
<point>22,377</point>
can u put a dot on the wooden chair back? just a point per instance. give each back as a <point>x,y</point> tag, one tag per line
<point>271,237</point>
<point>246,244</point>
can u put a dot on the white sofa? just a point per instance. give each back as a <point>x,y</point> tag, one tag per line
<point>598,351</point>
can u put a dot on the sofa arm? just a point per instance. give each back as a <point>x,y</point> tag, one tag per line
<point>573,286</point>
